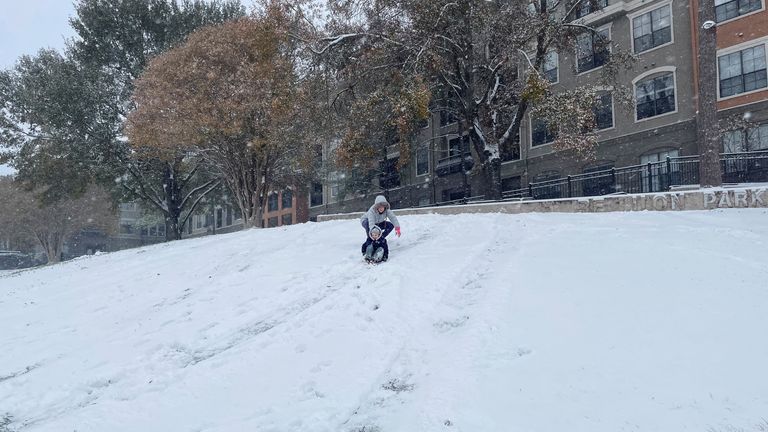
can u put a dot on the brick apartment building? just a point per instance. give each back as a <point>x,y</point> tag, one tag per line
<point>286,207</point>
<point>662,34</point>
<point>742,49</point>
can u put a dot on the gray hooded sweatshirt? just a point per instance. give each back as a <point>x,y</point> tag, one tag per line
<point>374,217</point>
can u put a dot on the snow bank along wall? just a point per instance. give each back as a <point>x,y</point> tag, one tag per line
<point>702,199</point>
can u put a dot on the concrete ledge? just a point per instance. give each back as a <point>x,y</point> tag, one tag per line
<point>702,199</point>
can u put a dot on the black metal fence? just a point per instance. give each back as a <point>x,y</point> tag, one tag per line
<point>659,176</point>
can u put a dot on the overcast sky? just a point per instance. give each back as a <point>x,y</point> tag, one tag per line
<point>28,25</point>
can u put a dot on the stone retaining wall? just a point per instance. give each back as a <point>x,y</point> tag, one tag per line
<point>700,199</point>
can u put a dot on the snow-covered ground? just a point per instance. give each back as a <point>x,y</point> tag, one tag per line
<point>538,322</point>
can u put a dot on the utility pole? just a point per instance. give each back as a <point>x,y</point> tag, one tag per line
<point>707,134</point>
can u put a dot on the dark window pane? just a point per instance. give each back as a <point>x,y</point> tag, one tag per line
<point>316,195</point>
<point>655,96</point>
<point>604,112</point>
<point>652,29</point>
<point>287,198</point>
<point>540,133</point>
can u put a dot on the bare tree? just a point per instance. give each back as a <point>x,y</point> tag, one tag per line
<point>482,62</point>
<point>50,225</point>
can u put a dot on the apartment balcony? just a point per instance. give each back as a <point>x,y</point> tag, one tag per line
<point>453,164</point>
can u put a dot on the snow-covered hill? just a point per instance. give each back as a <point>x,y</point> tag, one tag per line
<point>537,322</point>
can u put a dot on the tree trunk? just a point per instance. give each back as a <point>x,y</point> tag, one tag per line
<point>172,228</point>
<point>710,173</point>
<point>52,246</point>
<point>172,197</point>
<point>492,170</point>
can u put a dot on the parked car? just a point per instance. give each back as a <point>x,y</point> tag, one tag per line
<point>10,260</point>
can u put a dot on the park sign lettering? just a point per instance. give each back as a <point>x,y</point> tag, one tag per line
<point>689,200</point>
<point>736,198</point>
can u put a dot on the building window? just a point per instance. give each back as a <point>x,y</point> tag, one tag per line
<point>750,139</point>
<point>727,9</point>
<point>550,68</point>
<point>126,228</point>
<point>422,160</point>
<point>540,133</point>
<point>219,217</point>
<point>272,202</point>
<point>652,29</point>
<point>454,147</point>
<point>604,111</point>
<point>592,50</point>
<point>287,199</point>
<point>272,222</point>
<point>447,117</point>
<point>316,195</point>
<point>229,215</point>
<point>655,96</point>
<point>588,6</point>
<point>742,71</point>
<point>287,219</point>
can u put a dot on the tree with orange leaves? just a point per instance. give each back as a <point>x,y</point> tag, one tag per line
<point>231,94</point>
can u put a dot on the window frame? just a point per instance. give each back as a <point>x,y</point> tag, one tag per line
<point>744,138</point>
<point>727,20</point>
<point>272,196</point>
<point>612,105</point>
<point>286,193</point>
<point>577,13</point>
<point>607,29</point>
<point>738,49</point>
<point>531,121</point>
<point>544,71</point>
<point>314,192</point>
<point>653,74</point>
<point>419,150</point>
<point>649,10</point>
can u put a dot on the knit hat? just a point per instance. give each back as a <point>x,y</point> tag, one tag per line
<point>376,229</point>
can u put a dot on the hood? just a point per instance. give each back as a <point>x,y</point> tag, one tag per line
<point>381,200</point>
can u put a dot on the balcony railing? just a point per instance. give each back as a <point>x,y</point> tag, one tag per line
<point>747,167</point>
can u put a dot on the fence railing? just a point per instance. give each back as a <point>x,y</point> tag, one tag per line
<point>658,176</point>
